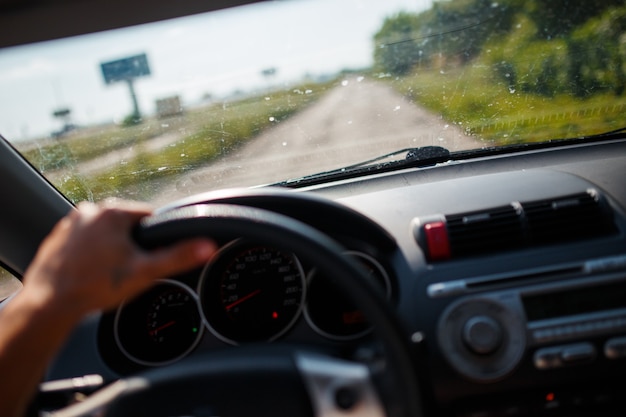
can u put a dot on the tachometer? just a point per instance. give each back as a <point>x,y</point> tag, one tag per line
<point>330,313</point>
<point>160,326</point>
<point>251,293</point>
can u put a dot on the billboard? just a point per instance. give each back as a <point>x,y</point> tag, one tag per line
<point>125,69</point>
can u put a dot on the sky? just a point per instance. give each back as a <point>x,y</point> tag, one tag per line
<point>214,54</point>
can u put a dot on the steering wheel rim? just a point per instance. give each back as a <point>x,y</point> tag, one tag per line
<point>401,396</point>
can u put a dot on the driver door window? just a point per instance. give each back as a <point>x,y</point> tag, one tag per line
<point>9,284</point>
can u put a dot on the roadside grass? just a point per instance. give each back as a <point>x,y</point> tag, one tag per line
<point>485,107</point>
<point>205,134</point>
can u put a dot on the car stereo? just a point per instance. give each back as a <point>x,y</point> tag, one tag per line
<point>485,335</point>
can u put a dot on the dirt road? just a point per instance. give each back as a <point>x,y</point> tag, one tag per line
<point>356,121</point>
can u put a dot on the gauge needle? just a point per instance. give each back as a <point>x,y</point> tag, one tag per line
<point>242,299</point>
<point>161,327</point>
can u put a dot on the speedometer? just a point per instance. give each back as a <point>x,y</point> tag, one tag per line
<point>160,326</point>
<point>251,293</point>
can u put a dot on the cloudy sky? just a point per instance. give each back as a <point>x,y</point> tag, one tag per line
<point>214,54</point>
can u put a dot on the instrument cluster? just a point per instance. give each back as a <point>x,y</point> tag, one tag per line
<point>248,293</point>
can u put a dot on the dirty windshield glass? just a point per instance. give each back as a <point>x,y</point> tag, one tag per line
<point>278,90</point>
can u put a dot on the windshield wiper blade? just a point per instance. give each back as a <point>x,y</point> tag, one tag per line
<point>415,158</point>
<point>432,155</point>
<point>617,134</point>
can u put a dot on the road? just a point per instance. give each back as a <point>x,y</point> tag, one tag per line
<point>356,121</point>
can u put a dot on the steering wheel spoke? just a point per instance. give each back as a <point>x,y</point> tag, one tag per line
<point>339,388</point>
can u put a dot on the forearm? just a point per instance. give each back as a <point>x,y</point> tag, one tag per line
<point>31,332</point>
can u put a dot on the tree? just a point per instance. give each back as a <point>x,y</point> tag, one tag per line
<point>398,44</point>
<point>598,54</point>
<point>558,18</point>
<point>534,46</point>
<point>448,32</point>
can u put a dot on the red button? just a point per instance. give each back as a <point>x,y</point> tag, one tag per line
<point>437,241</point>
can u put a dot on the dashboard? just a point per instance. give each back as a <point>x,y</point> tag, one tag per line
<point>508,275</point>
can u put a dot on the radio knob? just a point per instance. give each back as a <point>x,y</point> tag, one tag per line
<point>482,335</point>
<point>483,338</point>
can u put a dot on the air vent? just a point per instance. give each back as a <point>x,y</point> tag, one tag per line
<point>574,217</point>
<point>517,225</point>
<point>485,231</point>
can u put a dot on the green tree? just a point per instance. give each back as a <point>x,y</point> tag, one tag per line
<point>448,32</point>
<point>399,43</point>
<point>464,26</point>
<point>598,54</point>
<point>534,46</point>
<point>526,63</point>
<point>558,18</point>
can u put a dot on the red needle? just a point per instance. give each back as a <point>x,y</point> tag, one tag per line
<point>161,327</point>
<point>242,299</point>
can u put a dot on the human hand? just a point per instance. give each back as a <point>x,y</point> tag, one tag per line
<point>90,261</point>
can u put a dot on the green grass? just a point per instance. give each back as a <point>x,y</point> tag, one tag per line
<point>205,134</point>
<point>474,99</point>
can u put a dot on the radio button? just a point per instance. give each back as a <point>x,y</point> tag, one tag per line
<point>482,334</point>
<point>615,348</point>
<point>580,352</point>
<point>548,358</point>
<point>556,357</point>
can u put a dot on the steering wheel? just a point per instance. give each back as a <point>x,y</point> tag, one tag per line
<point>273,379</point>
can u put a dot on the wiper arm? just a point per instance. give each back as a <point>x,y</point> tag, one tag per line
<point>432,155</point>
<point>415,158</point>
<point>532,146</point>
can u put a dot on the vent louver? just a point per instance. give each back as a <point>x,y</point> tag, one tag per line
<point>521,225</point>
<point>570,218</point>
<point>485,231</point>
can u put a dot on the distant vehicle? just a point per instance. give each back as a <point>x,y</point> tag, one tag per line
<point>169,107</point>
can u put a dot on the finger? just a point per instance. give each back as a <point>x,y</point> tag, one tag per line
<point>178,258</point>
<point>127,205</point>
<point>133,210</point>
<point>112,213</point>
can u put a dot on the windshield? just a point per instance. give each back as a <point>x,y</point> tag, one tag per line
<point>279,90</point>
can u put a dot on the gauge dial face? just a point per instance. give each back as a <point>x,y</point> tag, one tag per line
<point>330,312</point>
<point>160,326</point>
<point>251,293</point>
